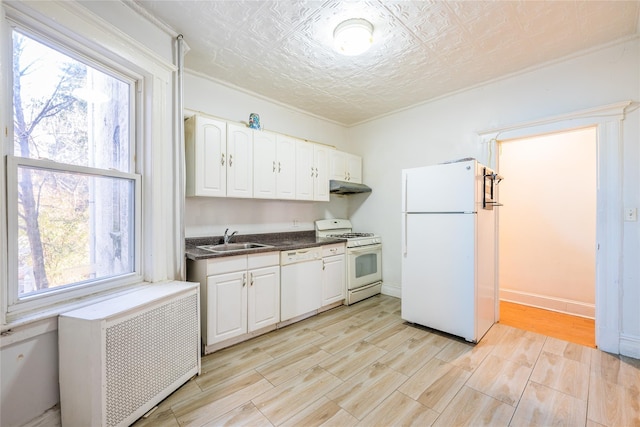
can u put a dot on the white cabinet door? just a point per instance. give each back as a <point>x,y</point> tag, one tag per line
<point>206,157</point>
<point>264,297</point>
<point>226,306</point>
<point>345,167</point>
<point>239,161</point>
<point>264,165</point>
<point>286,167</point>
<point>354,168</point>
<point>333,279</point>
<point>300,289</point>
<point>321,177</point>
<point>305,170</point>
<point>338,165</point>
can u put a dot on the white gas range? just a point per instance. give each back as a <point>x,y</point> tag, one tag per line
<point>364,258</point>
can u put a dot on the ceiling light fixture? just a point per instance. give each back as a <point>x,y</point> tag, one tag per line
<point>353,36</point>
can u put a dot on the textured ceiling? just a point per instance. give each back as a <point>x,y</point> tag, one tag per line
<point>282,49</point>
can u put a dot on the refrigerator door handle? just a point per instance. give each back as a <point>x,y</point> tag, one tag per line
<point>404,234</point>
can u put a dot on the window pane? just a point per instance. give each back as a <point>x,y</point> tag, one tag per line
<point>72,228</point>
<point>67,111</point>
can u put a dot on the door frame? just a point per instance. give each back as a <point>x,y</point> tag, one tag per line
<point>607,120</point>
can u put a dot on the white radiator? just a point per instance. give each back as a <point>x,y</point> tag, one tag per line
<point>121,357</point>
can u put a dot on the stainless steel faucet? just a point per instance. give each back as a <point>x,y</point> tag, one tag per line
<point>227,238</point>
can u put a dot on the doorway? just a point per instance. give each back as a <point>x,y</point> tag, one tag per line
<point>547,233</point>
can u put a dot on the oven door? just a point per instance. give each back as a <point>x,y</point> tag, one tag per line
<point>364,266</point>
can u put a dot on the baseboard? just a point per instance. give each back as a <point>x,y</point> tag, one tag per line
<point>50,418</point>
<point>394,291</point>
<point>575,308</point>
<point>630,346</point>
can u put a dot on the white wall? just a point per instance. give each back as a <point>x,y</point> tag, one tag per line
<point>206,216</point>
<point>548,221</point>
<point>448,128</point>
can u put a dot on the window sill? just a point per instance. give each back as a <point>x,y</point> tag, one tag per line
<point>37,323</point>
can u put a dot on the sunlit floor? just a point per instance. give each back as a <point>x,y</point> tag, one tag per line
<point>574,329</point>
<point>363,365</point>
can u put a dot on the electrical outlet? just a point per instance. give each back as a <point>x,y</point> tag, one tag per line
<point>631,214</point>
<point>295,223</point>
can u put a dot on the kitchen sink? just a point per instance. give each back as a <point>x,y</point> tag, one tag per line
<point>233,247</point>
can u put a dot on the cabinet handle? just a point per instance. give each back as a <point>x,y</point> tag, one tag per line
<point>323,265</point>
<point>311,171</point>
<point>251,282</point>
<point>279,167</point>
<point>244,280</point>
<point>274,166</point>
<point>222,160</point>
<point>333,250</point>
<point>230,159</point>
<point>316,172</point>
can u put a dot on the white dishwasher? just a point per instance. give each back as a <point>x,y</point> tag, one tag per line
<point>300,282</point>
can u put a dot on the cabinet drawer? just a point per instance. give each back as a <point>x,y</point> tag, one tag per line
<point>330,250</point>
<point>226,264</point>
<point>267,259</point>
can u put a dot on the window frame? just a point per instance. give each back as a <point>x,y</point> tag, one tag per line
<point>15,307</point>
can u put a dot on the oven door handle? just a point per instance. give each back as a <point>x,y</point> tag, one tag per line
<point>363,249</point>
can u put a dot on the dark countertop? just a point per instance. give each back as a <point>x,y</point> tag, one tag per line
<point>280,241</point>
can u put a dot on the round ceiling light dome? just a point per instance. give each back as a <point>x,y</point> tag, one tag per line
<point>353,36</point>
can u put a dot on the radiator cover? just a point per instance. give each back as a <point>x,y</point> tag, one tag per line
<point>122,356</point>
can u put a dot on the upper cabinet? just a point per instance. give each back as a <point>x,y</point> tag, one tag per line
<point>345,167</point>
<point>273,166</point>
<point>312,176</point>
<point>239,161</point>
<point>219,158</point>
<point>206,157</point>
<point>286,162</point>
<point>231,160</point>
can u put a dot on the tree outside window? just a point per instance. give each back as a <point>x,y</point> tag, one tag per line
<point>75,181</point>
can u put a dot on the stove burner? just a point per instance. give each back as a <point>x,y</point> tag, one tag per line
<point>350,235</point>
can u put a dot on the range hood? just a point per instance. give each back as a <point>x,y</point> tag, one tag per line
<point>344,187</point>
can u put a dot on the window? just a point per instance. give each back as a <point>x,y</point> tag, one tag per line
<point>73,193</point>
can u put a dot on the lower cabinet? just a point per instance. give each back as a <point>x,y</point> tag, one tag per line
<point>243,296</point>
<point>240,295</point>
<point>333,274</point>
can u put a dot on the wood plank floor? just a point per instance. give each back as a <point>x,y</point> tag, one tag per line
<point>363,366</point>
<point>575,329</point>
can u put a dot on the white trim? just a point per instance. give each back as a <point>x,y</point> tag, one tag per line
<point>74,21</point>
<point>630,346</point>
<point>6,121</point>
<point>559,305</point>
<point>32,330</point>
<point>391,290</point>
<point>557,123</point>
<point>608,120</point>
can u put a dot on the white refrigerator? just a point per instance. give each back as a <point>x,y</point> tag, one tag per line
<point>449,280</point>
